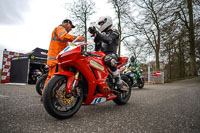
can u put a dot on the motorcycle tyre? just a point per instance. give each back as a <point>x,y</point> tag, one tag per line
<point>119,100</point>
<point>40,81</point>
<point>48,104</point>
<point>141,86</point>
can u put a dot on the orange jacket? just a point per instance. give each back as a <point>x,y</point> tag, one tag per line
<point>59,40</point>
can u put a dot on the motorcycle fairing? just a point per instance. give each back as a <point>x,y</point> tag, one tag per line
<point>95,75</point>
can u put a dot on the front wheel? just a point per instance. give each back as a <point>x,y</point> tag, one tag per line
<point>124,96</point>
<point>141,83</point>
<point>57,102</point>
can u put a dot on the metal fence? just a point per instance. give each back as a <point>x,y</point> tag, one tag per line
<point>154,78</point>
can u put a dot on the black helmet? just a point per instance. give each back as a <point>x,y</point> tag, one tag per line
<point>132,58</point>
<point>68,21</point>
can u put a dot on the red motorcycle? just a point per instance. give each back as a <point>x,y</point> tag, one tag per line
<point>85,79</point>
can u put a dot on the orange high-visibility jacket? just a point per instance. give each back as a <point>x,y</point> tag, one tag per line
<point>59,40</point>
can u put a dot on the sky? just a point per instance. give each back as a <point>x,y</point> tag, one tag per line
<point>27,24</point>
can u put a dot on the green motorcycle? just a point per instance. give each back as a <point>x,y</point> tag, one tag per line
<point>135,77</point>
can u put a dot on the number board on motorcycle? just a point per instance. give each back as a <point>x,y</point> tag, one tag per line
<point>98,100</point>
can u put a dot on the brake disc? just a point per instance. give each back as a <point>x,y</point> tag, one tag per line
<point>64,101</point>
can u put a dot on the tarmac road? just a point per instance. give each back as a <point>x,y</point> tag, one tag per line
<point>172,107</point>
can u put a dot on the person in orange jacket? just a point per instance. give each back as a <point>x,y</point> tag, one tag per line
<point>59,40</point>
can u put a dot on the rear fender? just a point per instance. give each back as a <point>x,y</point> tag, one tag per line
<point>122,61</point>
<point>70,78</point>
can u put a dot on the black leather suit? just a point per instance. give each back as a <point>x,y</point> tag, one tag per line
<point>108,44</point>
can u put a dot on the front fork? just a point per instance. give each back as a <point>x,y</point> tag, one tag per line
<point>72,83</point>
<point>75,80</point>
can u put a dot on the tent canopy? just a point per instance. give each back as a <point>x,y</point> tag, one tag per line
<point>22,66</point>
<point>37,56</point>
<point>40,52</point>
<point>37,53</point>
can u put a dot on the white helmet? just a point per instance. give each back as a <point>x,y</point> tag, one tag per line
<point>107,22</point>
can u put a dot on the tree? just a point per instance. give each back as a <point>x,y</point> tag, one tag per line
<point>80,12</point>
<point>186,16</point>
<point>121,8</point>
<point>153,15</point>
<point>196,8</point>
<point>166,27</point>
<point>191,37</point>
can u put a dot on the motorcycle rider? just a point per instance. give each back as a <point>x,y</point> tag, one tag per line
<point>134,66</point>
<point>107,42</point>
<point>59,40</point>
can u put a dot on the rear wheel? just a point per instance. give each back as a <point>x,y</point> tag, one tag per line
<point>40,83</point>
<point>123,96</point>
<point>57,102</point>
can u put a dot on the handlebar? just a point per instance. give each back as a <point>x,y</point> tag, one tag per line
<point>75,40</point>
<point>72,43</point>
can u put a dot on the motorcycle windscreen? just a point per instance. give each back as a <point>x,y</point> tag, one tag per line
<point>19,71</point>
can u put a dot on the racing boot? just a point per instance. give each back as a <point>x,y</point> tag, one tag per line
<point>118,83</point>
<point>118,80</point>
